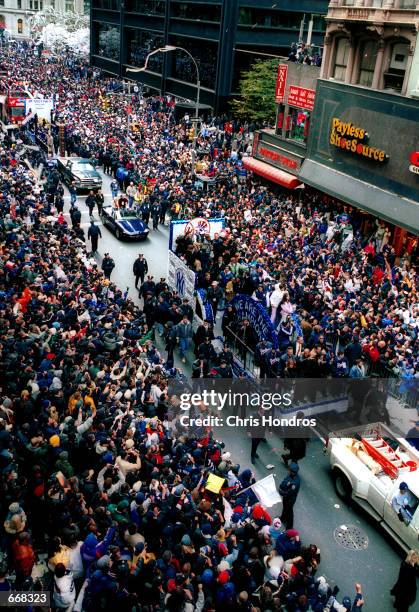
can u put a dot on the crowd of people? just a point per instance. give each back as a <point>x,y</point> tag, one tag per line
<point>96,470</point>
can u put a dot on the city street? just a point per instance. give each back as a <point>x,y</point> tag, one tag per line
<point>318,511</point>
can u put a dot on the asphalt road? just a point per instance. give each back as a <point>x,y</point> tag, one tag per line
<point>318,511</point>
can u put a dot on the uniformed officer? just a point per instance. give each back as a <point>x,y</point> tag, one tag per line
<point>289,488</point>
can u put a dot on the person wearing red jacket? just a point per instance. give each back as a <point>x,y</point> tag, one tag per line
<point>23,557</point>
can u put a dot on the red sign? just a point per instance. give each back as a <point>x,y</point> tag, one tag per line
<point>281,159</point>
<point>301,97</point>
<point>414,158</point>
<point>281,81</point>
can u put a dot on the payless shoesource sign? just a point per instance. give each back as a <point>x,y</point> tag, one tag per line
<point>354,139</point>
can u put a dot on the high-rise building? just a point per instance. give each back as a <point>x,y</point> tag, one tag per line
<point>223,36</point>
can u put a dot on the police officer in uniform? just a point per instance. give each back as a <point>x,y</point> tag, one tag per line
<point>289,488</point>
<point>108,265</point>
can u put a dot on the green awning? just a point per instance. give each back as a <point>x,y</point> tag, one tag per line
<point>383,204</point>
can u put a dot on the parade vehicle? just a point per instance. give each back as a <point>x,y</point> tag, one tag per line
<point>369,463</point>
<point>124,223</point>
<point>81,171</point>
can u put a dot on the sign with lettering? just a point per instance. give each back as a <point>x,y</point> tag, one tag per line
<point>301,97</point>
<point>349,137</point>
<point>279,159</point>
<point>193,228</point>
<point>248,308</point>
<point>281,82</point>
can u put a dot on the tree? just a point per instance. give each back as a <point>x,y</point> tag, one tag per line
<point>257,92</point>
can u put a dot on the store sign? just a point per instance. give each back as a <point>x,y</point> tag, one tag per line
<point>281,82</point>
<point>278,158</point>
<point>301,97</point>
<point>414,162</point>
<point>349,137</point>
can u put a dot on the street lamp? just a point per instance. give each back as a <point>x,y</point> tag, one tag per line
<point>167,49</point>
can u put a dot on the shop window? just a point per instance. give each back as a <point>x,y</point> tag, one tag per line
<point>394,77</point>
<point>367,61</point>
<point>341,59</point>
<point>139,45</point>
<point>297,125</point>
<point>107,40</point>
<point>20,26</point>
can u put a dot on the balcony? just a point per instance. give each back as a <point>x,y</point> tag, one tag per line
<point>397,12</point>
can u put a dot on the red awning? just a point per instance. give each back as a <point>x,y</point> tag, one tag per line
<point>272,174</point>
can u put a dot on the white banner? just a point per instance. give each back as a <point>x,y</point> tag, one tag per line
<point>41,107</point>
<point>266,491</point>
<point>181,278</point>
<point>192,228</point>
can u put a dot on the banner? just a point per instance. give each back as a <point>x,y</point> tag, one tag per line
<point>193,227</point>
<point>249,308</point>
<point>41,107</point>
<point>214,483</point>
<point>266,491</point>
<point>181,278</point>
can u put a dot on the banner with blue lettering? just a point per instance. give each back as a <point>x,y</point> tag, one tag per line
<point>248,308</point>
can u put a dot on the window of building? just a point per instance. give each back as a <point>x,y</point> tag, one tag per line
<point>106,40</point>
<point>367,62</point>
<point>69,6</point>
<point>394,76</point>
<point>204,52</point>
<point>269,19</point>
<point>1,2</point>
<point>19,4</point>
<point>147,7</point>
<point>297,125</point>
<point>341,60</point>
<point>52,3</point>
<point>20,26</point>
<point>139,45</point>
<point>111,5</point>
<point>196,12</point>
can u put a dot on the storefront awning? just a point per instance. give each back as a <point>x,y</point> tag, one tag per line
<point>272,174</point>
<point>383,204</point>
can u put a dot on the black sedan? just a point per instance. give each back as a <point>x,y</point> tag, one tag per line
<point>124,223</point>
<point>81,171</point>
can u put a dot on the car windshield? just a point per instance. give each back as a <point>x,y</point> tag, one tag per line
<point>85,166</point>
<point>127,214</point>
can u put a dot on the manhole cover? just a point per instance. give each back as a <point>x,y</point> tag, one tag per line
<point>351,536</point>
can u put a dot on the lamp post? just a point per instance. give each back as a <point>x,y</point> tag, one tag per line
<point>168,49</point>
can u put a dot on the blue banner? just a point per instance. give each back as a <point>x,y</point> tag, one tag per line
<point>249,308</point>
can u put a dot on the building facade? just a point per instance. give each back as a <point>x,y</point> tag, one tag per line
<point>372,43</point>
<point>355,138</point>
<point>15,14</point>
<point>224,36</point>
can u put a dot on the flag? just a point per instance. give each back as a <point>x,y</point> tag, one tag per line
<point>214,483</point>
<point>266,491</point>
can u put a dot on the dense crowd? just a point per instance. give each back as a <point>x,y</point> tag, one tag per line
<point>96,470</point>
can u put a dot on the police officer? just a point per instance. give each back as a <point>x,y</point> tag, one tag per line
<point>289,488</point>
<point>108,265</point>
<point>140,269</point>
<point>94,233</point>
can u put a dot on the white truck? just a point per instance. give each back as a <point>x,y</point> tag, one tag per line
<point>368,465</point>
